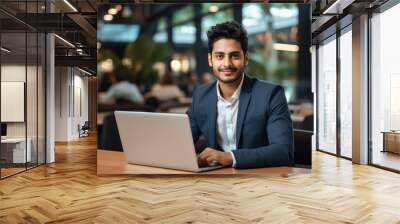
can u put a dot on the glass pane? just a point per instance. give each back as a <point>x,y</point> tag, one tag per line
<point>264,17</point>
<point>161,35</point>
<point>385,85</point>
<point>273,47</point>
<point>346,94</point>
<point>31,98</point>
<point>212,19</point>
<point>254,19</point>
<point>41,99</point>
<point>13,87</point>
<point>184,34</point>
<point>31,86</point>
<point>183,15</point>
<point>327,97</point>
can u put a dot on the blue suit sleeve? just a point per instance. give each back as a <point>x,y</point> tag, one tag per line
<point>279,127</point>
<point>196,132</point>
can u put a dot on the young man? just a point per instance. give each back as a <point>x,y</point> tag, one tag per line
<point>245,121</point>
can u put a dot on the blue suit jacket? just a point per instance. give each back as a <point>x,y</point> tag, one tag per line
<point>264,131</point>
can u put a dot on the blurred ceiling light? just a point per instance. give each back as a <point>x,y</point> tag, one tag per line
<point>112,11</point>
<point>213,8</point>
<point>127,62</point>
<point>185,65</point>
<point>175,65</point>
<point>108,17</point>
<point>107,65</point>
<point>79,51</point>
<point>70,5</point>
<point>285,47</point>
<point>65,41</point>
<point>118,7</point>
<point>5,49</point>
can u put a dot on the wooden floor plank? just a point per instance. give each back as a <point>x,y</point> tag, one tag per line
<point>69,191</point>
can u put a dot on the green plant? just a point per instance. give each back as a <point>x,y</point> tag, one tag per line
<point>143,54</point>
<point>105,53</point>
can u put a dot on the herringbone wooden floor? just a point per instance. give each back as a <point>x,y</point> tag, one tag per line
<point>70,192</point>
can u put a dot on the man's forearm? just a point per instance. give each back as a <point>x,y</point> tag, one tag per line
<point>266,156</point>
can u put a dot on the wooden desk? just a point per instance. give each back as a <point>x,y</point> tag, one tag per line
<point>14,148</point>
<point>112,163</point>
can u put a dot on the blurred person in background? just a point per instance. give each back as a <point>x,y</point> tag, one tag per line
<point>188,85</point>
<point>122,90</point>
<point>207,78</point>
<point>105,81</point>
<point>165,89</point>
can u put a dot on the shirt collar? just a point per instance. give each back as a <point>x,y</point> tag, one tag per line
<point>235,95</point>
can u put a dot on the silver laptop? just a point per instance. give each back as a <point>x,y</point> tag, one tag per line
<point>159,140</point>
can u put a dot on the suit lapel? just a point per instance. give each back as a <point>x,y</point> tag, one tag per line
<point>244,100</point>
<point>212,114</point>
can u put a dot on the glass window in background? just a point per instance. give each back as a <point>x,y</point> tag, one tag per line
<point>272,30</point>
<point>182,15</point>
<point>346,94</point>
<point>214,13</point>
<point>259,18</point>
<point>385,84</point>
<point>184,33</point>
<point>327,96</point>
<point>15,149</point>
<point>110,32</point>
<point>32,97</point>
<point>254,19</point>
<point>183,30</point>
<point>22,93</point>
<point>161,36</point>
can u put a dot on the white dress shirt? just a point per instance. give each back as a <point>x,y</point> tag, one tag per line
<point>227,111</point>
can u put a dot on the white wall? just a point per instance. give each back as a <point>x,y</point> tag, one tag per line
<point>71,94</point>
<point>61,103</point>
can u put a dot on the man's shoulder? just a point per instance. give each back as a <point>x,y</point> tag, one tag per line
<point>264,86</point>
<point>204,89</point>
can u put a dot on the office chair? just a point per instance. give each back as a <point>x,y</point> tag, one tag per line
<point>84,130</point>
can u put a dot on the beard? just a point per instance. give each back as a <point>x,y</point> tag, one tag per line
<point>235,75</point>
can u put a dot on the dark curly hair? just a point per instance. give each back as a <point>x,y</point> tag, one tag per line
<point>227,30</point>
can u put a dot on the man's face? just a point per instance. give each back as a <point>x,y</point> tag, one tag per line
<point>227,60</point>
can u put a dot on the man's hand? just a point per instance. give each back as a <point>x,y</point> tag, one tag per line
<point>210,155</point>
